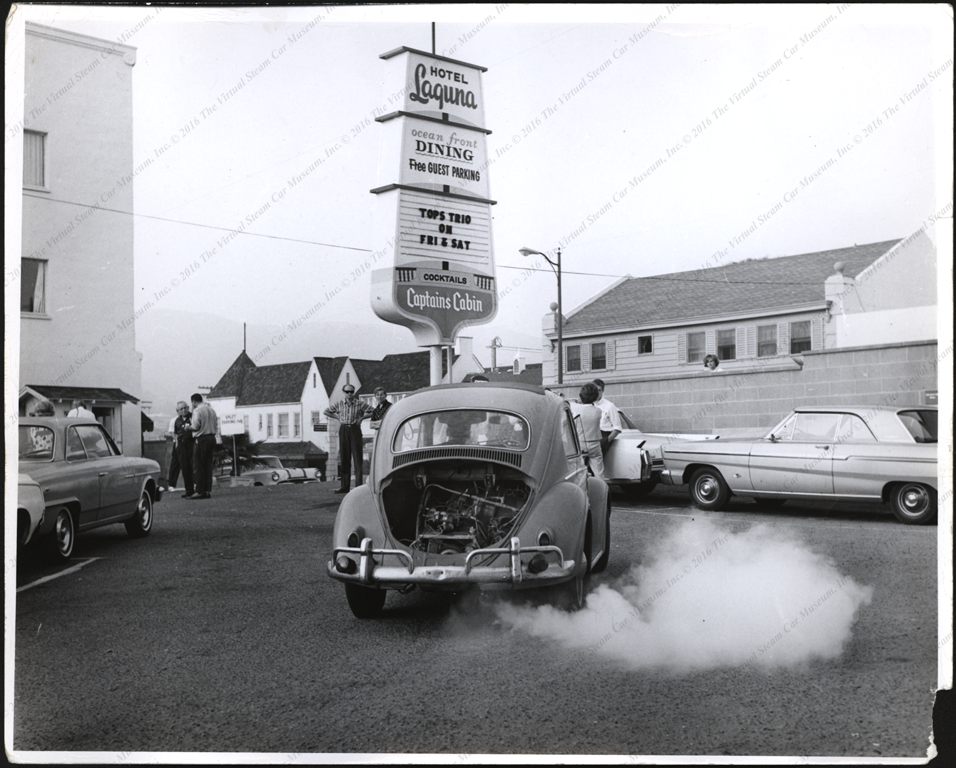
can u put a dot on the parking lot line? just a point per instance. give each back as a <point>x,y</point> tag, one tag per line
<point>45,579</point>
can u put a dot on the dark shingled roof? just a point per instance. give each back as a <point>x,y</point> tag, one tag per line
<point>744,286</point>
<point>530,375</point>
<point>274,384</point>
<point>230,385</point>
<point>398,373</point>
<point>329,370</point>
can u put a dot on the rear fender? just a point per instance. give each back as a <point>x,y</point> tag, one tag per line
<point>359,512</point>
<point>562,510</point>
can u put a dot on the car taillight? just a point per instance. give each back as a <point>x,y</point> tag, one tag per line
<point>345,565</point>
<point>544,539</point>
<point>353,539</point>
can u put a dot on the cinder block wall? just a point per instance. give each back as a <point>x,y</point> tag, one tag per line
<point>752,401</point>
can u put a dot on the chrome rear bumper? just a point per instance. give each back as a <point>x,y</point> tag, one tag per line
<point>514,573</point>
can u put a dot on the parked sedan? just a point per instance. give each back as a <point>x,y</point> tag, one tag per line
<point>85,483</point>
<point>267,470</point>
<point>862,453</point>
<point>625,464</point>
<point>473,486</point>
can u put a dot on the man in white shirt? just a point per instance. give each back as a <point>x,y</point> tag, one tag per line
<point>590,416</point>
<point>611,425</point>
<point>80,409</point>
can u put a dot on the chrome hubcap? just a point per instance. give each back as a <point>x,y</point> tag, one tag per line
<point>64,533</point>
<point>707,488</point>
<point>914,500</point>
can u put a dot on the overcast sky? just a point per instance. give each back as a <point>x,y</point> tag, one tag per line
<point>731,109</point>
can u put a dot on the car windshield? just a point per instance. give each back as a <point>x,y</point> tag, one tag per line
<point>36,443</point>
<point>922,425</point>
<point>462,427</point>
<point>261,462</point>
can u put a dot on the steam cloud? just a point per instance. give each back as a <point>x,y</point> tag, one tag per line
<point>712,597</point>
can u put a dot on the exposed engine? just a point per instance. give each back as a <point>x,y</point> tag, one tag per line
<point>469,516</point>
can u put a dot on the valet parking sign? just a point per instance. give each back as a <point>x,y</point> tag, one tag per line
<point>433,209</point>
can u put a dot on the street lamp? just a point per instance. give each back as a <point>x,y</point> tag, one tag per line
<point>556,268</point>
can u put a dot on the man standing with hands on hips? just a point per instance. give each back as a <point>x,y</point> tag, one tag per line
<point>203,427</point>
<point>350,413</point>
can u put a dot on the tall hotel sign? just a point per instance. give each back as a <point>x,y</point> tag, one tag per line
<point>433,212</point>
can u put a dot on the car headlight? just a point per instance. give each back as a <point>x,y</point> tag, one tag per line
<point>275,477</point>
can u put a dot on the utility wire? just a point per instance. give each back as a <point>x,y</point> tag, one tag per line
<point>369,250</point>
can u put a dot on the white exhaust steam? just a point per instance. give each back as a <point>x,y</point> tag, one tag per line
<point>712,597</point>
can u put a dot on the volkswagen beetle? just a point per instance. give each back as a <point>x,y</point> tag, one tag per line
<point>475,485</point>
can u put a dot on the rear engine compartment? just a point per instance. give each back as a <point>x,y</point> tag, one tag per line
<point>455,506</point>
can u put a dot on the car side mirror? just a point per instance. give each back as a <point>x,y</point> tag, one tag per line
<point>773,437</point>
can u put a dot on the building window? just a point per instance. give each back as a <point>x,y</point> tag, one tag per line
<point>800,337</point>
<point>283,425</point>
<point>695,346</point>
<point>766,341</point>
<point>245,423</point>
<point>598,356</point>
<point>34,159</point>
<point>573,360</point>
<point>727,344</point>
<point>645,345</point>
<point>268,425</point>
<point>260,422</point>
<point>296,424</point>
<point>33,286</point>
<point>313,381</point>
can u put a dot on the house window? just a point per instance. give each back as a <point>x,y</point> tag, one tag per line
<point>260,422</point>
<point>34,159</point>
<point>727,344</point>
<point>283,425</point>
<point>573,360</point>
<point>268,425</point>
<point>313,381</point>
<point>695,346</point>
<point>296,424</point>
<point>33,286</point>
<point>598,356</point>
<point>245,423</point>
<point>800,337</point>
<point>766,340</point>
<point>645,345</point>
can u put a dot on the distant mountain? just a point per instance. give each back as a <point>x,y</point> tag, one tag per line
<point>187,351</point>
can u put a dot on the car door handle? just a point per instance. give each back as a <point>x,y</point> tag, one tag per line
<point>824,447</point>
<point>103,474</point>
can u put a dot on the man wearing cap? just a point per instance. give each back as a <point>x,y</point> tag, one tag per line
<point>350,413</point>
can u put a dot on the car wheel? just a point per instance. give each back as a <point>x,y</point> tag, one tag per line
<point>770,503</point>
<point>63,535</point>
<point>139,525</point>
<point>602,561</point>
<point>635,491</point>
<point>914,504</point>
<point>366,603</point>
<point>708,489</point>
<point>570,595</point>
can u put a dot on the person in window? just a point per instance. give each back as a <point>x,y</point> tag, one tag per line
<point>610,419</point>
<point>712,364</point>
<point>591,424</point>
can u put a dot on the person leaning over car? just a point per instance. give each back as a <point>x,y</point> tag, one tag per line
<point>591,424</point>
<point>80,409</point>
<point>203,426</point>
<point>610,419</point>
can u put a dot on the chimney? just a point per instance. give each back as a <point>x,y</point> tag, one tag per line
<point>838,289</point>
<point>464,346</point>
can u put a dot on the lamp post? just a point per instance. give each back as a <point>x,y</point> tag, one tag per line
<point>556,268</point>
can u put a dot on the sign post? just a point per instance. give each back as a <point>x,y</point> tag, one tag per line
<point>232,424</point>
<point>433,214</point>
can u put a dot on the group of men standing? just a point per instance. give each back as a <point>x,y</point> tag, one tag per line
<point>194,441</point>
<point>600,421</point>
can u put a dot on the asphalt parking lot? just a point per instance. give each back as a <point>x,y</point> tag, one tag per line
<point>222,633</point>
